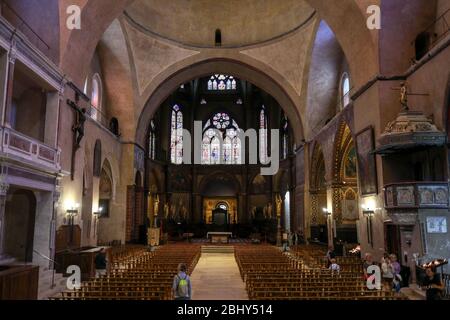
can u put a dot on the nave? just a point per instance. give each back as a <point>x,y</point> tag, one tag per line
<point>260,272</point>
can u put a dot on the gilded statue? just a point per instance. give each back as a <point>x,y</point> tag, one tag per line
<point>156,206</point>
<point>166,210</point>
<point>279,203</point>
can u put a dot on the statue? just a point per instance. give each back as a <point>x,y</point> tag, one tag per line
<point>156,206</point>
<point>404,93</point>
<point>279,203</point>
<point>269,210</point>
<point>80,119</point>
<point>166,210</point>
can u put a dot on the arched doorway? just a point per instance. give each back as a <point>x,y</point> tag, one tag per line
<point>345,187</point>
<point>219,191</point>
<point>318,197</point>
<point>104,203</point>
<point>20,214</point>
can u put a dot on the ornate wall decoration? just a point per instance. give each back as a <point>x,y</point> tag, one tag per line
<point>389,197</point>
<point>405,196</point>
<point>337,204</point>
<point>350,205</point>
<point>314,209</point>
<point>426,196</point>
<point>441,196</point>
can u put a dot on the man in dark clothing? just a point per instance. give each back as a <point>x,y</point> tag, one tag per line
<point>433,284</point>
<point>100,263</point>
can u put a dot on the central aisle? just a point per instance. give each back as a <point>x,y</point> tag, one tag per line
<point>217,277</point>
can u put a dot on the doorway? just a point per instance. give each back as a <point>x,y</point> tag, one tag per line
<point>20,214</point>
<point>392,239</point>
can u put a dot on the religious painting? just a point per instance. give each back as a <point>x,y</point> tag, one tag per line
<point>441,196</point>
<point>437,224</point>
<point>366,162</point>
<point>405,196</point>
<point>350,164</point>
<point>350,206</point>
<point>426,196</point>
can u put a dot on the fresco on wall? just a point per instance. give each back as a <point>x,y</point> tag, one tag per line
<point>350,164</point>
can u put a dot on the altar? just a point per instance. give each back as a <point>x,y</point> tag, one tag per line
<point>219,237</point>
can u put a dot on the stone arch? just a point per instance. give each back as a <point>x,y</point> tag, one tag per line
<point>356,40</point>
<point>202,65</point>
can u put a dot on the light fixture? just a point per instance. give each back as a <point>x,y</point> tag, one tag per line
<point>326,212</point>
<point>368,212</point>
<point>239,101</point>
<point>72,210</point>
<point>98,212</point>
<point>203,101</point>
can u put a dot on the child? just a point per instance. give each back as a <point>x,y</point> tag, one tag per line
<point>181,288</point>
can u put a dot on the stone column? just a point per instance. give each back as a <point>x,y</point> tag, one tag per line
<point>9,83</point>
<point>4,186</point>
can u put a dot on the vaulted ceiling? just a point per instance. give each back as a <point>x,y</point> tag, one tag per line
<point>194,22</point>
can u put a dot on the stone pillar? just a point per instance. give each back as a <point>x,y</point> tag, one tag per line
<point>330,217</point>
<point>9,83</point>
<point>4,186</point>
<point>53,223</point>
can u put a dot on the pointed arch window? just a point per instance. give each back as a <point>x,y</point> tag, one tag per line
<point>176,135</point>
<point>263,137</point>
<point>345,89</point>
<point>221,82</point>
<point>152,141</point>
<point>284,138</point>
<point>221,145</point>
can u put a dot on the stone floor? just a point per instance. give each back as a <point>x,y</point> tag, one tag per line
<point>216,277</point>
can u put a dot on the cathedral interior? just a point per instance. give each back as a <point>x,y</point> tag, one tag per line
<point>242,133</point>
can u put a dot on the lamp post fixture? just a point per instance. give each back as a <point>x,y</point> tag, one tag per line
<point>369,213</point>
<point>71,213</point>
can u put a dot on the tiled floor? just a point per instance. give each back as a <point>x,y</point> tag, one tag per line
<point>216,277</point>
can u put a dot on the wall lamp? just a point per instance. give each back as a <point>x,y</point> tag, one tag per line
<point>72,210</point>
<point>326,212</point>
<point>98,213</point>
<point>369,212</point>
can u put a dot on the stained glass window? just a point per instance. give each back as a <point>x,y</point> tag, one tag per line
<point>223,149</point>
<point>345,90</point>
<point>285,137</point>
<point>263,139</point>
<point>221,82</point>
<point>176,136</point>
<point>152,141</point>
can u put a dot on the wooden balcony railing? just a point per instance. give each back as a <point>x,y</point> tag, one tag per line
<point>416,195</point>
<point>19,145</point>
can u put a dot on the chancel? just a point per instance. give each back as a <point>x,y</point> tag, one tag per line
<point>280,140</point>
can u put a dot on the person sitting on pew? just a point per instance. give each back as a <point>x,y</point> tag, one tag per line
<point>100,263</point>
<point>182,289</point>
<point>330,255</point>
<point>334,267</point>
